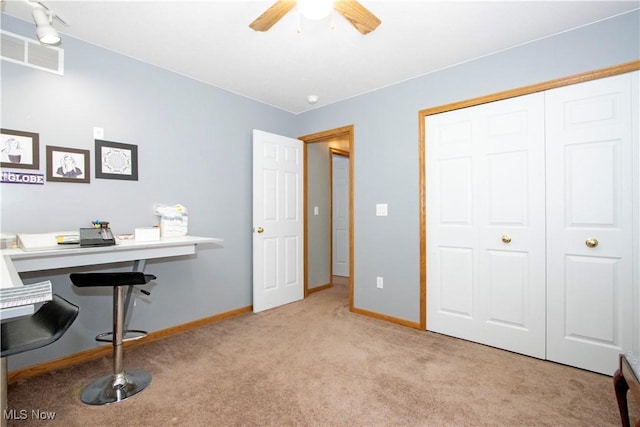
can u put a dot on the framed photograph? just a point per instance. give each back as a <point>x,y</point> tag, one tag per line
<point>19,149</point>
<point>115,160</point>
<point>67,164</point>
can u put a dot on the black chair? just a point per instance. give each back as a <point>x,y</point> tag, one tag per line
<point>120,384</point>
<point>42,328</point>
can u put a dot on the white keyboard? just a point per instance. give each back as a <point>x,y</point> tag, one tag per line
<point>16,296</point>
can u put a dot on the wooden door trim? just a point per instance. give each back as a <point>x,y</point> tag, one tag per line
<point>348,132</point>
<point>498,96</point>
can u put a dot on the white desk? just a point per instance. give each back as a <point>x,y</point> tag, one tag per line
<point>126,250</point>
<point>14,261</point>
<point>17,260</point>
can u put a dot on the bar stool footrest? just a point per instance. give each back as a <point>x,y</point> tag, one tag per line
<point>129,335</point>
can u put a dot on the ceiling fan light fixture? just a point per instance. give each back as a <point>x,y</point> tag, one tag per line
<point>315,9</point>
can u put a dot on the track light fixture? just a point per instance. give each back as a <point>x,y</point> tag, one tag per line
<point>45,31</point>
<point>43,18</point>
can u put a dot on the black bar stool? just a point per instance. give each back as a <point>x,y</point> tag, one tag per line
<point>42,328</point>
<point>120,384</point>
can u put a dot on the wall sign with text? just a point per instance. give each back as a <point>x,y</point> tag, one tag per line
<point>22,178</point>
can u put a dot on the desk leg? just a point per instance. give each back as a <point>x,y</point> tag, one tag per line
<point>621,387</point>
<point>138,266</point>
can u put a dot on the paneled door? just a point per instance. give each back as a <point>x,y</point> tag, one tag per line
<point>590,217</point>
<point>485,224</point>
<point>340,218</point>
<point>277,220</point>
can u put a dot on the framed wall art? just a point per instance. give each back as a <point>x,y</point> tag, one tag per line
<point>68,165</point>
<point>115,160</point>
<point>19,149</point>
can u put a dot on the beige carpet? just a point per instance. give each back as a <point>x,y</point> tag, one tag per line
<point>313,363</point>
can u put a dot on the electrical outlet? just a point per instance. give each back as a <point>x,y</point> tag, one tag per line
<point>379,282</point>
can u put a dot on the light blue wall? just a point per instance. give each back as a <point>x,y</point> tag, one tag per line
<point>195,148</point>
<point>194,144</point>
<point>386,145</point>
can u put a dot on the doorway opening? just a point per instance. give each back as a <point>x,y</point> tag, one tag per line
<point>319,238</point>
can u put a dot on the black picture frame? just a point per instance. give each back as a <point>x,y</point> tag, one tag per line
<point>116,160</point>
<point>68,165</point>
<point>19,149</point>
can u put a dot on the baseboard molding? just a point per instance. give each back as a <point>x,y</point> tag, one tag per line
<point>403,322</point>
<point>319,288</point>
<point>94,353</point>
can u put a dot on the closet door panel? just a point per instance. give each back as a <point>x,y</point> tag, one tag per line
<point>511,224</point>
<point>583,209</point>
<point>590,223</point>
<point>485,229</point>
<point>591,283</point>
<point>451,224</point>
<point>507,288</point>
<point>455,281</point>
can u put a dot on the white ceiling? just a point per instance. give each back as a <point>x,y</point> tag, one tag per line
<point>210,40</point>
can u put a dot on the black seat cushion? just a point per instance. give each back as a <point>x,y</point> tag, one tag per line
<point>44,327</point>
<point>110,279</point>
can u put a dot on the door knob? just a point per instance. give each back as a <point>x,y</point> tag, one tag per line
<point>259,230</point>
<point>506,238</point>
<point>592,243</point>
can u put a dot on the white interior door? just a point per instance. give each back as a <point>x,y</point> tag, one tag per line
<point>590,196</point>
<point>340,222</point>
<point>511,220</point>
<point>277,220</point>
<point>485,224</point>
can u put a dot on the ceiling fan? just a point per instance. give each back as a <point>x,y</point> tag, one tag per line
<point>359,16</point>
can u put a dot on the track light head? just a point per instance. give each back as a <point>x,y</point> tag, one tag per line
<point>48,35</point>
<point>43,19</point>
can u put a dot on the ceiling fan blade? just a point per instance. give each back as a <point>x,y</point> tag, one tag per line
<point>358,15</point>
<point>272,15</point>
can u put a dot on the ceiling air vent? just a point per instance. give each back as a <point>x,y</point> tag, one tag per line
<point>21,50</point>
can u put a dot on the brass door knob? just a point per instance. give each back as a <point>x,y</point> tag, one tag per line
<point>259,230</point>
<point>592,243</point>
<point>506,238</point>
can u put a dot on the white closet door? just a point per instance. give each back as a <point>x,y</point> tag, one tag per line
<point>512,224</point>
<point>589,196</point>
<point>484,181</point>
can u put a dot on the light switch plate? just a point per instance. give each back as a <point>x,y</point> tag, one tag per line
<point>381,209</point>
<point>316,210</point>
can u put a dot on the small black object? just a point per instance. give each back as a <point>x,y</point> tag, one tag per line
<point>96,237</point>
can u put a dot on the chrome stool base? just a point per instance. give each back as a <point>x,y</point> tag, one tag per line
<point>115,388</point>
